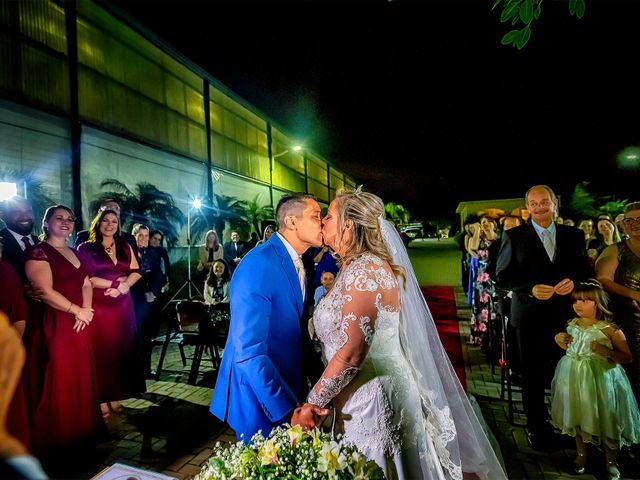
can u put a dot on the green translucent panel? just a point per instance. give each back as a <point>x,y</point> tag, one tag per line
<point>195,105</point>
<point>287,178</point>
<point>350,182</point>
<point>317,170</point>
<point>131,85</point>
<point>45,78</point>
<point>318,189</point>
<point>337,180</point>
<point>175,93</point>
<point>43,21</point>
<point>215,117</point>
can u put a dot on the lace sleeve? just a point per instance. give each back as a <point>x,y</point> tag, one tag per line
<point>367,285</point>
<point>37,253</point>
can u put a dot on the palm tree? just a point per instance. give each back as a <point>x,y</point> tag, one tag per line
<point>256,214</point>
<point>145,204</point>
<point>35,191</point>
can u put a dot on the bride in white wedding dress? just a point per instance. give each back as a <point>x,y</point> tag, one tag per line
<point>394,392</point>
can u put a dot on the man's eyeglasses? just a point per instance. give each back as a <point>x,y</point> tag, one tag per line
<point>628,222</point>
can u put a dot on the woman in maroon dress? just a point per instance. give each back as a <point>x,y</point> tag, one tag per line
<point>14,306</point>
<point>60,377</point>
<point>113,269</point>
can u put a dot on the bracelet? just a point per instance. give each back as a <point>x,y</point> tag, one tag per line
<point>70,305</point>
<point>115,284</point>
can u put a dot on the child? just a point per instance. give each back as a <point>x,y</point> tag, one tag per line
<point>591,398</point>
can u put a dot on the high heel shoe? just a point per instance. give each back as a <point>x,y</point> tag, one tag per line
<point>613,473</point>
<point>580,463</point>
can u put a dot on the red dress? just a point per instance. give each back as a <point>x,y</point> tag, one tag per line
<point>60,377</point>
<point>113,330</point>
<point>13,304</point>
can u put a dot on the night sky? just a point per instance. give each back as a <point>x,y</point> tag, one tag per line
<point>419,101</point>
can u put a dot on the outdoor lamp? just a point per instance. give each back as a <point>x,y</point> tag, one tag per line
<point>7,190</point>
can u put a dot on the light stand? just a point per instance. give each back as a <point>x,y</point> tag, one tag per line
<point>197,204</point>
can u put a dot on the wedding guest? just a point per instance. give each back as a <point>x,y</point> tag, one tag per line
<point>607,234</point>
<point>216,287</point>
<point>618,268</point>
<point>17,236</point>
<point>483,309</point>
<point>266,235</point>
<point>15,460</point>
<point>234,250</point>
<point>586,225</point>
<point>108,204</point>
<point>156,240</point>
<point>14,306</point>
<point>619,220</point>
<point>113,270</point>
<point>146,290</point>
<point>569,222</point>
<point>540,261</point>
<point>209,252</point>
<point>60,376</point>
<point>323,261</point>
<point>253,241</point>
<point>326,281</point>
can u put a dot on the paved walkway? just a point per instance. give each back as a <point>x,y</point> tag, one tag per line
<point>171,431</point>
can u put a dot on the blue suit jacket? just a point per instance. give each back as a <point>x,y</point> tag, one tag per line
<point>259,381</point>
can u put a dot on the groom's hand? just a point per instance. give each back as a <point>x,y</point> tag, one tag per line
<point>308,416</point>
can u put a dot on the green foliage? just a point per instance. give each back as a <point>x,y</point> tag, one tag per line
<point>145,204</point>
<point>36,192</point>
<point>522,13</point>
<point>585,204</point>
<point>397,213</point>
<point>255,214</point>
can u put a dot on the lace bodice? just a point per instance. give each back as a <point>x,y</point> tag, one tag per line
<point>358,317</point>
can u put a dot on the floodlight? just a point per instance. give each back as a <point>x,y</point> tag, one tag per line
<point>297,148</point>
<point>197,203</point>
<point>7,190</point>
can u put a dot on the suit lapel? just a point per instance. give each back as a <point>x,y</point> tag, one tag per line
<point>288,269</point>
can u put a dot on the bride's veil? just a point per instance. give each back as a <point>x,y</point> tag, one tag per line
<point>449,419</point>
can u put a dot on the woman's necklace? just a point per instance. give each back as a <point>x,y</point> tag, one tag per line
<point>110,250</point>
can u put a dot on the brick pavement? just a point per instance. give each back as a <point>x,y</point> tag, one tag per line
<point>169,430</point>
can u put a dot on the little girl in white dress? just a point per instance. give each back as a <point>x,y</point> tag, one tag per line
<point>591,397</point>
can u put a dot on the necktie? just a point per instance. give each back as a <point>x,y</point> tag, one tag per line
<point>27,242</point>
<point>548,244</point>
<point>301,275</point>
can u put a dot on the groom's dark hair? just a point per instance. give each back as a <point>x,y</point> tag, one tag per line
<point>291,204</point>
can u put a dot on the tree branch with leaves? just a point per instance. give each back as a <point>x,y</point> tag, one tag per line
<point>522,13</point>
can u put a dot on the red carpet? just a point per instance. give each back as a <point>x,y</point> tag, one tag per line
<point>442,303</point>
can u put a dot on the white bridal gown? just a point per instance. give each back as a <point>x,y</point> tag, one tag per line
<point>377,403</point>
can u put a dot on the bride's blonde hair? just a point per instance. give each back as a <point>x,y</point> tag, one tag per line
<point>364,210</point>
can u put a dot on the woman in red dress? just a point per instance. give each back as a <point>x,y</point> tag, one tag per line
<point>60,377</point>
<point>113,269</point>
<point>14,306</point>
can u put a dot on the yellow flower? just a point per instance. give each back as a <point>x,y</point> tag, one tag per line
<point>268,453</point>
<point>295,433</point>
<point>331,459</point>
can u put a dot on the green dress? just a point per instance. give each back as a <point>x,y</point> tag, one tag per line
<point>591,396</point>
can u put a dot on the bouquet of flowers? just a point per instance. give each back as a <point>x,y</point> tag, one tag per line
<point>290,453</point>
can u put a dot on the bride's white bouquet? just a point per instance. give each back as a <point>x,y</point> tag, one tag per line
<point>289,453</point>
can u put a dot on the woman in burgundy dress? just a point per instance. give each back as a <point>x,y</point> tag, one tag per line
<point>113,269</point>
<point>14,306</point>
<point>60,377</point>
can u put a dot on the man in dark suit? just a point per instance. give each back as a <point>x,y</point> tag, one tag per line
<point>540,261</point>
<point>16,236</point>
<point>234,250</point>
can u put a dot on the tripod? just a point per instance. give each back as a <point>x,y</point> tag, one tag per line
<point>188,283</point>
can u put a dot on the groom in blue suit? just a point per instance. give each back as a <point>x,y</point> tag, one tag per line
<point>260,380</point>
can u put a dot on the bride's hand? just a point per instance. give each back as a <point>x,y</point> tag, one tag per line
<point>309,416</point>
